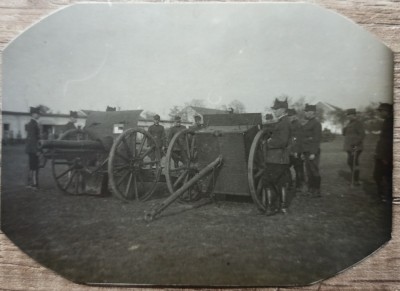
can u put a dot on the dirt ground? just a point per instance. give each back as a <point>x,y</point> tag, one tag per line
<point>103,240</point>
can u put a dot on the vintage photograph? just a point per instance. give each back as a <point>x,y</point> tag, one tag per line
<point>197,144</point>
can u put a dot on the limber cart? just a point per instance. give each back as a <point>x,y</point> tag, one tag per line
<point>110,152</point>
<point>225,157</point>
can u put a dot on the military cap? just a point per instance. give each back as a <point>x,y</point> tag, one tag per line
<point>73,114</point>
<point>351,111</point>
<point>36,110</point>
<point>156,117</point>
<point>280,104</point>
<point>109,108</point>
<point>269,116</point>
<point>386,107</point>
<point>177,118</point>
<point>310,107</point>
<point>291,112</point>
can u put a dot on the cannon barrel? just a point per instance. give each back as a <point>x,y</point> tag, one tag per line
<point>160,207</point>
<point>71,144</point>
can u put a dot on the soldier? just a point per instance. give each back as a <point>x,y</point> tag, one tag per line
<point>277,158</point>
<point>296,148</point>
<point>197,123</point>
<point>73,116</point>
<point>269,124</point>
<point>384,154</point>
<point>178,152</point>
<point>354,135</point>
<point>157,131</point>
<point>33,136</point>
<point>312,131</point>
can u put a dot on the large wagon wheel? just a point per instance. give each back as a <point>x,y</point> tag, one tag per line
<point>70,169</point>
<point>182,165</point>
<point>134,166</point>
<point>256,169</point>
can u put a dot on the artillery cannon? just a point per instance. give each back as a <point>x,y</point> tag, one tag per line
<point>111,151</point>
<point>225,157</point>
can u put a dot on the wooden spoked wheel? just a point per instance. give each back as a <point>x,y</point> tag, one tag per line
<point>182,165</point>
<point>134,166</point>
<point>71,169</point>
<point>256,169</point>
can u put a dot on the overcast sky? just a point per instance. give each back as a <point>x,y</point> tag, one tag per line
<point>154,56</point>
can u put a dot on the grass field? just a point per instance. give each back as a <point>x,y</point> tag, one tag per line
<point>102,240</point>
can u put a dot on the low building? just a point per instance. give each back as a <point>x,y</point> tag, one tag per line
<point>189,112</point>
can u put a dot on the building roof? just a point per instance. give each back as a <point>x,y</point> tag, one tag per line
<point>46,114</point>
<point>327,107</point>
<point>203,110</point>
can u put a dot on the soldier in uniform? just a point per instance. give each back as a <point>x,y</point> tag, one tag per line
<point>33,136</point>
<point>312,132</point>
<point>197,123</point>
<point>269,124</point>
<point>73,116</point>
<point>178,152</point>
<point>296,148</point>
<point>354,134</point>
<point>277,159</point>
<point>384,154</point>
<point>157,131</point>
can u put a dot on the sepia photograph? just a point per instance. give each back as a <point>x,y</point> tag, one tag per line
<point>197,144</point>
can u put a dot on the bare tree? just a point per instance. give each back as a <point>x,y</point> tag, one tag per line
<point>237,106</point>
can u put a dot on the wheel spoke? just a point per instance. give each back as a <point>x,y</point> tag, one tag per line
<point>64,173</point>
<point>177,169</point>
<point>259,173</point>
<point>77,182</point>
<point>259,186</point>
<point>192,147</point>
<point>141,145</point>
<point>146,153</point>
<point>128,150</point>
<point>121,156</point>
<point>70,180</point>
<point>122,178</point>
<point>136,188</point>
<point>134,144</point>
<point>128,187</point>
<point>187,146</point>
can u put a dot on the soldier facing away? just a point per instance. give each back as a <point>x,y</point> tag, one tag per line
<point>157,131</point>
<point>312,131</point>
<point>354,134</point>
<point>277,159</point>
<point>384,154</point>
<point>33,136</point>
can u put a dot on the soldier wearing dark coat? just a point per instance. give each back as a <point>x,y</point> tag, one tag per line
<point>73,116</point>
<point>384,154</point>
<point>197,123</point>
<point>33,136</point>
<point>157,131</point>
<point>277,159</point>
<point>312,131</point>
<point>178,152</point>
<point>269,124</point>
<point>354,134</point>
<point>296,141</point>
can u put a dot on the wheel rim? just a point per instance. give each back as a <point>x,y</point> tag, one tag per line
<point>134,166</point>
<point>256,169</point>
<point>181,165</point>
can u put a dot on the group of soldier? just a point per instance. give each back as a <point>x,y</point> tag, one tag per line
<point>289,143</point>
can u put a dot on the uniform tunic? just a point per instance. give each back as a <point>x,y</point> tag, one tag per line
<point>178,151</point>
<point>157,131</point>
<point>31,148</point>
<point>296,148</point>
<point>354,134</point>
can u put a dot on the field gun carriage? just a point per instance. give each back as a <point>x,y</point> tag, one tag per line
<point>225,157</point>
<point>111,151</point>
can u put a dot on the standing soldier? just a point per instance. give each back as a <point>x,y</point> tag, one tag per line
<point>197,123</point>
<point>157,131</point>
<point>73,116</point>
<point>312,131</point>
<point>178,152</point>
<point>354,135</point>
<point>269,123</point>
<point>33,136</point>
<point>277,158</point>
<point>384,154</point>
<point>296,148</point>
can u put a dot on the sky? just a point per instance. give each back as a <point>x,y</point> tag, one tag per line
<point>156,55</point>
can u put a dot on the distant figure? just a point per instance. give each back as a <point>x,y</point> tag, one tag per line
<point>277,159</point>
<point>108,109</point>
<point>354,134</point>
<point>384,154</point>
<point>197,123</point>
<point>33,136</point>
<point>73,118</point>
<point>157,131</point>
<point>312,132</point>
<point>296,142</point>
<point>230,110</point>
<point>178,152</point>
